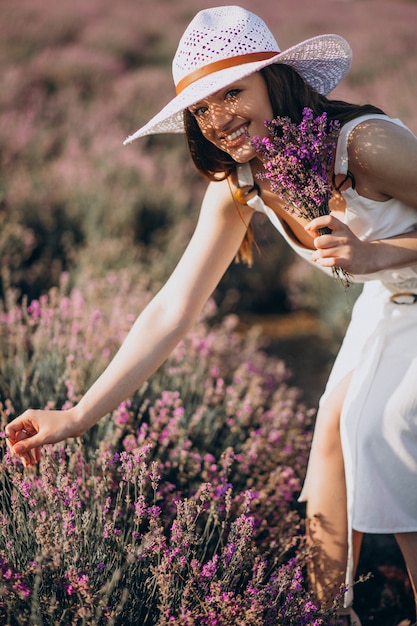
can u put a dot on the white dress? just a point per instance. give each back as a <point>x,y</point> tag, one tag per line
<point>379,417</point>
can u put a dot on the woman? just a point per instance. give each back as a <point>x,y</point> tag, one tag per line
<point>230,77</point>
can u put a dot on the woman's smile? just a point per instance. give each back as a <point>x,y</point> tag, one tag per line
<point>237,137</point>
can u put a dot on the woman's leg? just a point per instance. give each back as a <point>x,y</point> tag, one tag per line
<point>325,492</point>
<point>408,547</point>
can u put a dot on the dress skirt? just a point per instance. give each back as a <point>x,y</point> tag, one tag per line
<point>379,417</point>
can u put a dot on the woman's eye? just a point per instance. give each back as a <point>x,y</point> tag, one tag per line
<point>199,111</point>
<point>231,94</point>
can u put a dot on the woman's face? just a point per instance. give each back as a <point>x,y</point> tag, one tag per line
<point>232,116</point>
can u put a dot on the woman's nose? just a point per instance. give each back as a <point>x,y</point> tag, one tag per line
<point>220,116</point>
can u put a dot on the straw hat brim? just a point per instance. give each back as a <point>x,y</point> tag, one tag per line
<point>322,61</point>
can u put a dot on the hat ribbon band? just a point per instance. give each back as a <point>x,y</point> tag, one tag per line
<point>222,65</point>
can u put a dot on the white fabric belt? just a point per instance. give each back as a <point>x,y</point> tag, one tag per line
<point>404,297</point>
<point>403,292</point>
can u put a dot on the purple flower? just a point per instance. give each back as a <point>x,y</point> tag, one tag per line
<point>209,569</point>
<point>297,159</point>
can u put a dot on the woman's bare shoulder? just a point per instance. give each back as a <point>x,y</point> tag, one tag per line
<point>378,137</point>
<point>384,155</point>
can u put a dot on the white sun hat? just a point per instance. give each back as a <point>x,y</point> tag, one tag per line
<point>224,44</point>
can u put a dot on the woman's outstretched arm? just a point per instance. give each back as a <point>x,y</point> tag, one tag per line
<point>155,333</point>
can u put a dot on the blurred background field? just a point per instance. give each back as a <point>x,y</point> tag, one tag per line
<point>77,78</point>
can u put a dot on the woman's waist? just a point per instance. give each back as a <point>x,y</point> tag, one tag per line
<point>403,292</point>
<point>402,279</point>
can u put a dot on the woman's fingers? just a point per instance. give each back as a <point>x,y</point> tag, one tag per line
<point>28,432</point>
<point>337,248</point>
<point>24,439</point>
<point>324,221</point>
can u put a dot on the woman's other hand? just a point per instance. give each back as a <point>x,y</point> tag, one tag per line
<point>340,248</point>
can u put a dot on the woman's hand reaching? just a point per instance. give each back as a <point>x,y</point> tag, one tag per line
<point>30,431</point>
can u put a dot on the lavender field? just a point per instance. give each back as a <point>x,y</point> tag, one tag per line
<point>181,507</point>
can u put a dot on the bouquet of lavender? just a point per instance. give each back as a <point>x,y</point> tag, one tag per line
<point>297,159</point>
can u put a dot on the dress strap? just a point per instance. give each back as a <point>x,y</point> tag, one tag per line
<point>244,175</point>
<point>245,178</point>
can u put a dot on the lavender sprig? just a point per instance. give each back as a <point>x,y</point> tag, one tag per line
<point>297,159</point>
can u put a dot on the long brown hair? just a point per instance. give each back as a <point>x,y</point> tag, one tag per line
<point>289,95</point>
